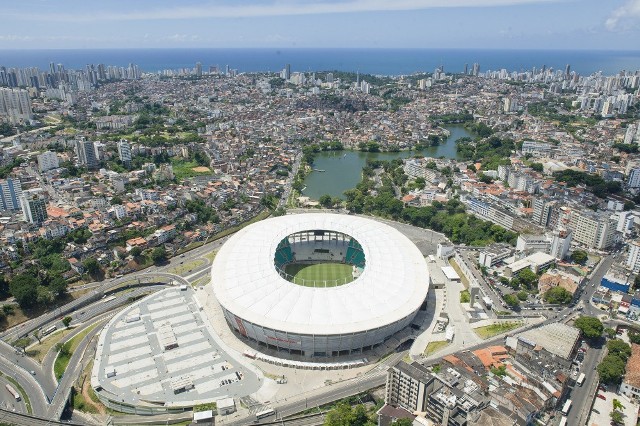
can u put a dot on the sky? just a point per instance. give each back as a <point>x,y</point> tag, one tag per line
<point>488,24</point>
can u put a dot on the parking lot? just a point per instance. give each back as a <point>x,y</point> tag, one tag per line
<point>160,350</point>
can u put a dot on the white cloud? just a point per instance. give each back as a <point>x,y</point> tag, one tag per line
<point>276,8</point>
<point>628,12</point>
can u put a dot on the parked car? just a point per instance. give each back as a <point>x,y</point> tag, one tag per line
<point>601,396</point>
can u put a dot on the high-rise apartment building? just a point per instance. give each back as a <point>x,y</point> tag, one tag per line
<point>124,151</point>
<point>633,258</point>
<point>34,206</point>
<point>10,192</point>
<point>48,161</point>
<point>560,243</point>
<point>15,105</point>
<point>86,152</point>
<point>633,181</point>
<point>593,229</point>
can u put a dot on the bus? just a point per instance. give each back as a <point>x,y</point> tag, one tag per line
<point>49,330</point>
<point>265,413</point>
<point>580,380</point>
<point>563,421</point>
<point>566,407</point>
<point>13,392</point>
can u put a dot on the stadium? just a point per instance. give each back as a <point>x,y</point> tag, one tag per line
<point>319,285</point>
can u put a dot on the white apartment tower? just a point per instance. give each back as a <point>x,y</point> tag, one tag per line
<point>15,105</point>
<point>124,151</point>
<point>48,161</point>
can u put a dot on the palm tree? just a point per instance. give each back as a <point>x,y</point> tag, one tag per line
<point>617,405</point>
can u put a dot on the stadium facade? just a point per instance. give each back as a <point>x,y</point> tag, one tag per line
<point>319,318</point>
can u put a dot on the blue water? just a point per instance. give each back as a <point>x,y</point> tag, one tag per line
<point>372,61</point>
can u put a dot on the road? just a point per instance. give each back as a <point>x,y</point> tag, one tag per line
<point>8,401</point>
<point>582,396</point>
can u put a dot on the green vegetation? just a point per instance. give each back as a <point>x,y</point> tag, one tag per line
<point>579,256</point>
<point>595,183</point>
<point>451,218</point>
<point>80,404</point>
<point>591,327</point>
<point>435,346</point>
<point>465,297</point>
<point>334,274</point>
<point>619,348</point>
<point>526,279</point>
<point>557,295</point>
<point>344,414</point>
<point>490,152</point>
<point>205,407</point>
<point>159,255</point>
<point>62,360</point>
<point>499,371</point>
<point>611,369</point>
<point>511,300</point>
<point>183,169</point>
<point>489,331</point>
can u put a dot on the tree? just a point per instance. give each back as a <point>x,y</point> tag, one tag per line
<point>538,167</point>
<point>159,255</point>
<point>511,300</point>
<point>579,256</point>
<point>617,417</point>
<point>557,295</point>
<point>4,287</point>
<point>617,405</point>
<point>24,288</point>
<point>45,297</point>
<point>528,278</point>
<point>523,295</point>
<point>611,369</point>
<point>116,200</point>
<point>344,414</point>
<point>91,266</point>
<point>619,348</point>
<point>326,201</point>
<point>66,321</point>
<point>36,334</point>
<point>591,327</point>
<point>610,332</point>
<point>22,343</point>
<point>135,252</point>
<point>634,336</point>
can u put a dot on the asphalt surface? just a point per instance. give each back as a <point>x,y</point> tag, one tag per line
<point>8,401</point>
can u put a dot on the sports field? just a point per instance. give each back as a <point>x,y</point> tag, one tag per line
<point>320,274</point>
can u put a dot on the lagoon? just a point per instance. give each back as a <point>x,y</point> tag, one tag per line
<point>343,169</point>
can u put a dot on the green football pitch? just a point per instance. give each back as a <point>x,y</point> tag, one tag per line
<point>321,274</point>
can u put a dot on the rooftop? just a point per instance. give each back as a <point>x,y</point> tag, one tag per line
<point>556,338</point>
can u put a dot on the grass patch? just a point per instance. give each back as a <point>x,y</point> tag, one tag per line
<point>20,390</point>
<point>456,267</point>
<point>202,281</point>
<point>465,296</point>
<point>211,255</point>
<point>183,169</point>
<point>66,351</point>
<point>39,351</point>
<point>434,347</point>
<point>320,274</point>
<point>185,268</point>
<point>489,331</point>
<point>79,403</point>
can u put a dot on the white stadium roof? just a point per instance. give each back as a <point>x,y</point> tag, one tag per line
<point>393,285</point>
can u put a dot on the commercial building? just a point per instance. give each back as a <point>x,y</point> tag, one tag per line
<point>530,243</point>
<point>552,344</point>
<point>536,262</point>
<point>493,254</point>
<point>318,318</point>
<point>34,206</point>
<point>48,161</point>
<point>592,229</point>
<point>10,192</point>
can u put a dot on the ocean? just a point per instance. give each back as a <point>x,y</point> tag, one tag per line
<point>370,61</point>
